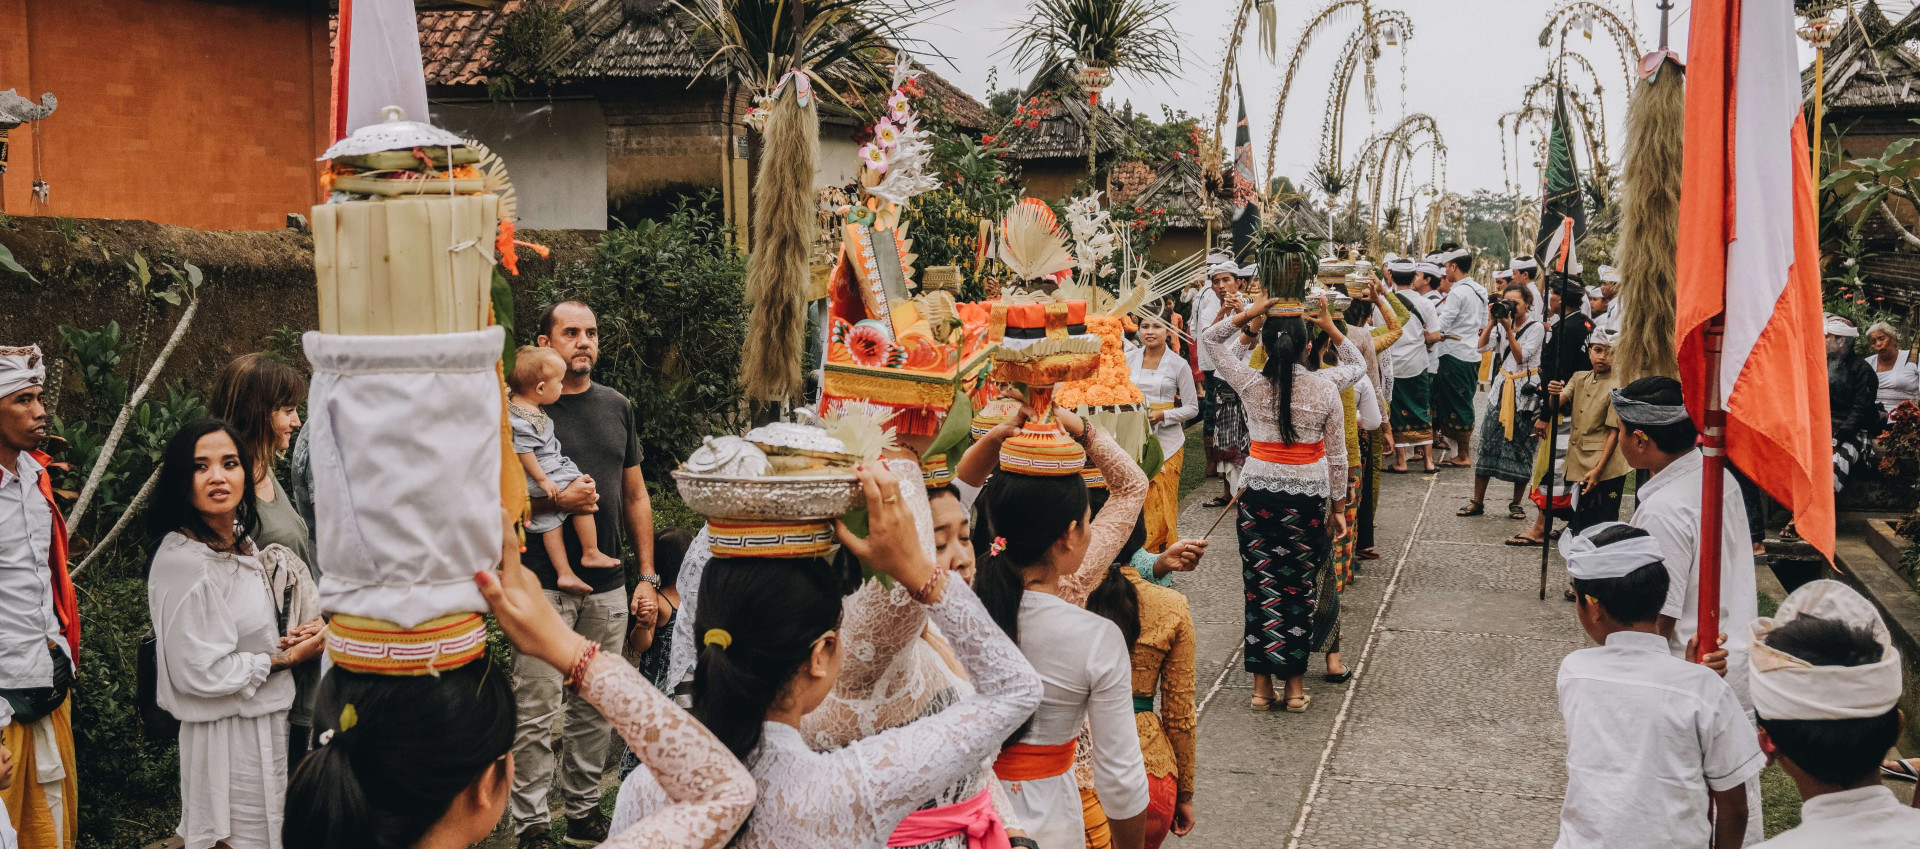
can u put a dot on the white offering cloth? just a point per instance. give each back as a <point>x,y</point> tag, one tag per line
<point>406,466</point>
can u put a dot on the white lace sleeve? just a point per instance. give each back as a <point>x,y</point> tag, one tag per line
<point>883,682</point>
<point>1335,441</point>
<point>899,769</point>
<point>686,652</point>
<point>710,792</point>
<point>1228,364</point>
<point>1352,366</point>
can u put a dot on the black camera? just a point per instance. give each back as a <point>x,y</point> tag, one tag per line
<point>1502,309</point>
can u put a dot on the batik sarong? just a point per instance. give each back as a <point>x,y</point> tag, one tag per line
<point>1283,551</point>
<point>1413,410</point>
<point>1453,389</point>
<point>1500,458</point>
<point>1163,504</point>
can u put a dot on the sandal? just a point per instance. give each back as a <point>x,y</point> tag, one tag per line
<point>1341,678</point>
<point>1261,704</point>
<point>1218,502</point>
<point>1570,596</point>
<point>1899,771</point>
<point>1514,511</point>
<point>1473,508</point>
<point>1366,554</point>
<point>1393,471</point>
<point>1303,701</point>
<point>1519,541</point>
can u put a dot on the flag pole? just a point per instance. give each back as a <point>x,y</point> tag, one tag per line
<point>343,55</point>
<point>1713,445</point>
<point>1559,276</point>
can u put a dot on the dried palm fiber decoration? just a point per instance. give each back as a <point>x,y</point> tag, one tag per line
<point>1030,242</point>
<point>784,226</point>
<point>1650,225</point>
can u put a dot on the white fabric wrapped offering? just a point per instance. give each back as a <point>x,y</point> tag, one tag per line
<point>406,469</point>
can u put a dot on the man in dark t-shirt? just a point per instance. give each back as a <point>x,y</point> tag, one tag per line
<point>596,429</point>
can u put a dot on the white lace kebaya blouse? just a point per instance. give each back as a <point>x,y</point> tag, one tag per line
<point>1318,415</point>
<point>855,796</point>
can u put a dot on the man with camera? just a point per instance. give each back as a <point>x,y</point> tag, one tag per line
<point>1455,339</point>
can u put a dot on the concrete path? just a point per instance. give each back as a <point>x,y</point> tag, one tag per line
<point>1448,734</point>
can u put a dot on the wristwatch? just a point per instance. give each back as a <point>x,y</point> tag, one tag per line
<point>1024,842</point>
<point>651,579</point>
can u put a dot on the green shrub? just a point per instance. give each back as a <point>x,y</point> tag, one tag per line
<point>671,302</point>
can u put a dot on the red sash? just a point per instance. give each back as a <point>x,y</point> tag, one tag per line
<point>66,605</point>
<point>1289,453</point>
<point>1027,762</point>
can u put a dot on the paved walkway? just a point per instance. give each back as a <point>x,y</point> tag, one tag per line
<point>1448,734</point>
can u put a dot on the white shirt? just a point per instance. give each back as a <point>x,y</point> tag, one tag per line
<point>1533,337</point>
<point>1206,307</point>
<point>1863,817</point>
<point>1647,735</point>
<point>215,631</point>
<point>1900,383</point>
<point>27,620</point>
<point>1668,507</point>
<point>1170,383</point>
<point>1609,320</point>
<point>1366,405</point>
<point>1408,354</point>
<point>1462,314</point>
<point>1086,675</point>
<point>1538,310</point>
<point>1436,298</point>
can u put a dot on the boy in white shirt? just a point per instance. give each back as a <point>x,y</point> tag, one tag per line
<point>1651,738</point>
<point>1826,683</point>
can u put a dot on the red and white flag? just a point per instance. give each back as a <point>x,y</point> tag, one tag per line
<point>1749,247</point>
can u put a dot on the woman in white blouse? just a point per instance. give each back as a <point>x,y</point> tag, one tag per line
<point>1899,375</point>
<point>1295,501</point>
<point>1167,382</point>
<point>770,653</point>
<point>222,662</point>
<point>1507,442</point>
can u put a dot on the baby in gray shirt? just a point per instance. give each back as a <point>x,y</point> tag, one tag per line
<point>535,383</point>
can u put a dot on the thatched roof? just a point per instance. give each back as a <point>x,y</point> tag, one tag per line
<point>1180,188</point>
<point>1062,131</point>
<point>607,39</point>
<point>1869,66</point>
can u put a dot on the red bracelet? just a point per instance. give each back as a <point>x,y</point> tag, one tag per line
<point>579,671</point>
<point>920,595</point>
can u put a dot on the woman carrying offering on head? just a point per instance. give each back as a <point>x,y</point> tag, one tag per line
<point>1296,483</point>
<point>770,637</point>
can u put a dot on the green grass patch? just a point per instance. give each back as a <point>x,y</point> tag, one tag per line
<point>1193,469</point>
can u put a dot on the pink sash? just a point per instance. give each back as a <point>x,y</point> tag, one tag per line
<point>975,818</point>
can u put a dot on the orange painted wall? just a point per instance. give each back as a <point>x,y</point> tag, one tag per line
<point>203,113</point>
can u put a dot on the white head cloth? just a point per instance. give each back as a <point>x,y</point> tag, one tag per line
<point>1450,256</point>
<point>1786,687</point>
<point>1595,292</point>
<point>1604,336</point>
<point>1429,268</point>
<point>1249,270</point>
<point>21,368</point>
<point>1609,274</point>
<point>1506,274</point>
<point>1837,326</point>
<point>1523,264</point>
<point>1402,265</point>
<point>406,471</point>
<point>1588,561</point>
<point>1223,267</point>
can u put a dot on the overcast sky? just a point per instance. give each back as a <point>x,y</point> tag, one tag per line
<point>1468,62</point>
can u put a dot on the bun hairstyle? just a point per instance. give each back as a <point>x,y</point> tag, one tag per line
<point>401,750</point>
<point>1287,342</point>
<point>757,621</point>
<point>171,508</point>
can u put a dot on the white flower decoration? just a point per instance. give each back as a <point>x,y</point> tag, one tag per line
<point>898,106</point>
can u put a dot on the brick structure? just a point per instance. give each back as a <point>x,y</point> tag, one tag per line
<point>192,112</point>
